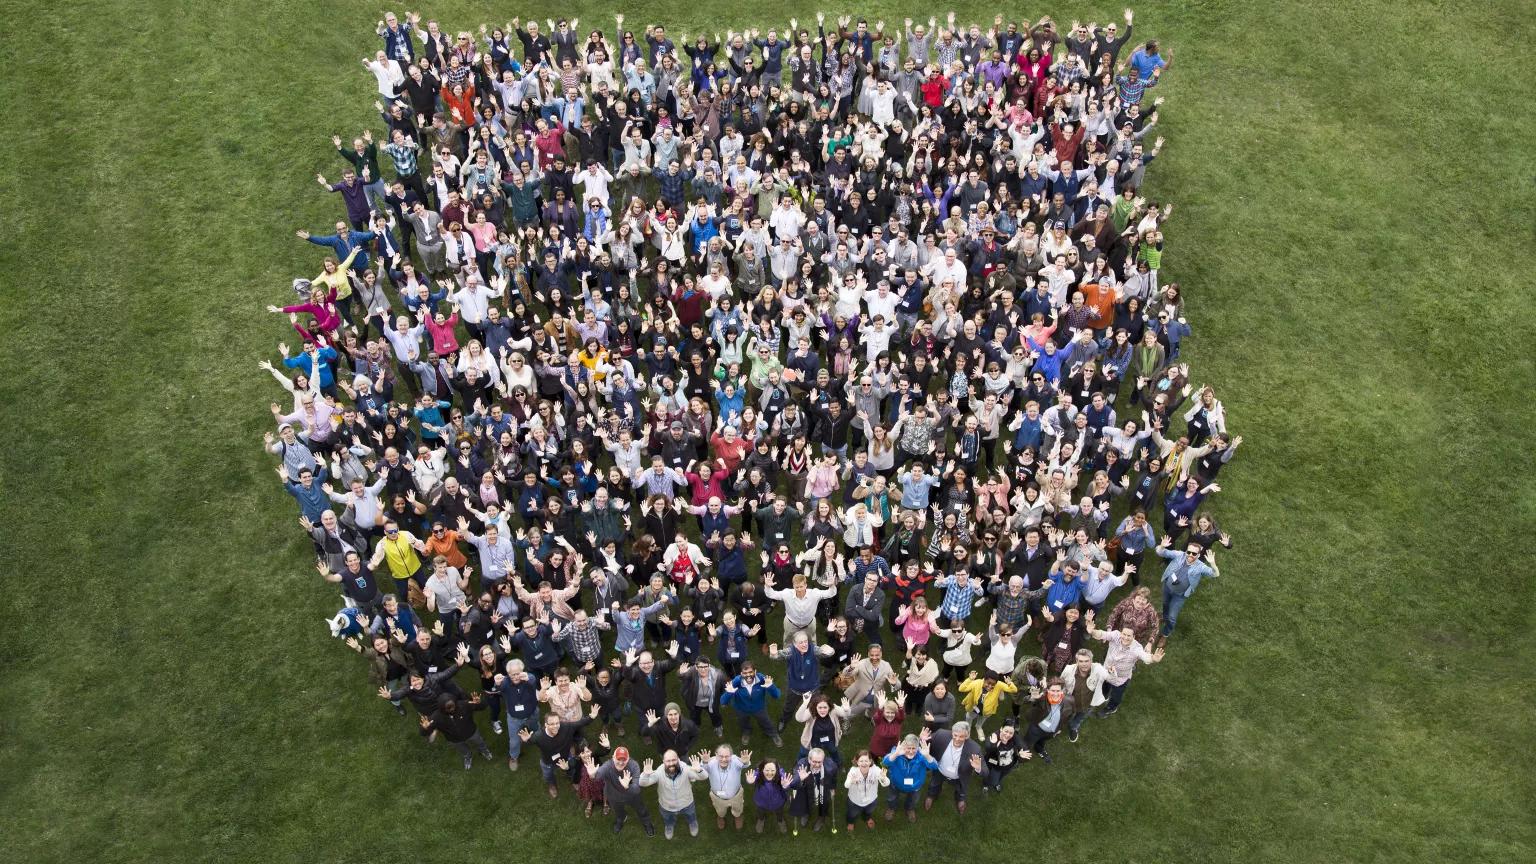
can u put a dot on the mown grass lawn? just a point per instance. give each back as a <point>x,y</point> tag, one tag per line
<point>1354,190</point>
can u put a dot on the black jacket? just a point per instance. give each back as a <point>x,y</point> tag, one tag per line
<point>458,726</point>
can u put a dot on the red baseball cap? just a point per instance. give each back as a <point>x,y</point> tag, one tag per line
<point>621,753</point>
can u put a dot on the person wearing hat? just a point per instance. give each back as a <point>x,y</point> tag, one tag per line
<point>671,731</point>
<point>620,777</point>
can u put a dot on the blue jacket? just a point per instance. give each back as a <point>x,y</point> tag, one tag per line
<point>750,700</point>
<point>343,245</point>
<point>1063,594</point>
<point>908,775</point>
<point>804,670</point>
<point>303,363</point>
<point>1049,365</point>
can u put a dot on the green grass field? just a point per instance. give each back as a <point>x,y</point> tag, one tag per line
<point>1354,192</point>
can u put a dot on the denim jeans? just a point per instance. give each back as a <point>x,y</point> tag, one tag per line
<point>690,815</point>
<point>1113,694</point>
<point>1172,603</point>
<point>514,743</point>
<point>906,799</point>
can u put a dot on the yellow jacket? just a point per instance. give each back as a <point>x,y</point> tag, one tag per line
<point>970,689</point>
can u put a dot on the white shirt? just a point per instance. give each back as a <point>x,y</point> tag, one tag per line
<point>864,789</point>
<point>949,762</point>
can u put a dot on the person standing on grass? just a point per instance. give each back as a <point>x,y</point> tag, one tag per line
<point>1083,686</point>
<point>674,781</point>
<point>1119,662</point>
<point>620,777</point>
<point>456,722</point>
<point>803,669</point>
<point>749,693</point>
<point>556,743</point>
<point>1180,579</point>
<point>1048,713</point>
<point>958,758</point>
<point>726,793</point>
<point>863,785</point>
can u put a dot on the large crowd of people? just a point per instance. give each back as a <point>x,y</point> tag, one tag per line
<point>814,385</point>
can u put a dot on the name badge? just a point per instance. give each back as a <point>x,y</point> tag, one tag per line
<point>518,709</point>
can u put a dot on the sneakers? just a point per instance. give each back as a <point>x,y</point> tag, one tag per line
<point>1072,735</point>
<point>719,732</point>
<point>781,727</point>
<point>1046,758</point>
<point>666,831</point>
<point>496,726</point>
<point>618,825</point>
<point>816,826</point>
<point>469,762</point>
<point>650,830</point>
<point>1110,712</point>
<point>399,709</point>
<point>693,829</point>
<point>777,741</point>
<point>759,824</point>
<point>511,764</point>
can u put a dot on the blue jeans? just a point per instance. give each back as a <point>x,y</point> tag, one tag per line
<point>690,815</point>
<point>548,769</point>
<point>514,743</point>
<point>1172,603</point>
<point>1113,693</point>
<point>907,799</point>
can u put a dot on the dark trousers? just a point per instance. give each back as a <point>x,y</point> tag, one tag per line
<point>621,812</point>
<point>696,713</point>
<point>1113,693</point>
<point>1036,738</point>
<point>937,781</point>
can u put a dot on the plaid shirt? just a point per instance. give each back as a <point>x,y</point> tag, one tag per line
<point>959,597</point>
<point>582,639</point>
<point>404,156</point>
<point>1130,91</point>
<point>1012,609</point>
